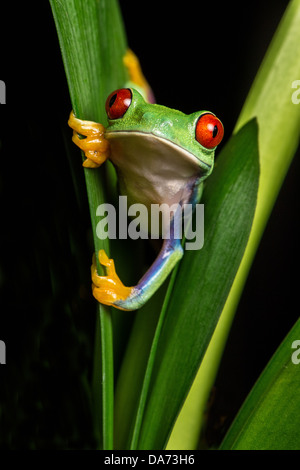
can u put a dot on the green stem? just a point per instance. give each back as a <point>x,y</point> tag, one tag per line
<point>150,364</point>
<point>107,377</point>
<point>93,43</point>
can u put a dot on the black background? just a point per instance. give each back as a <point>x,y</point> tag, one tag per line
<point>196,55</point>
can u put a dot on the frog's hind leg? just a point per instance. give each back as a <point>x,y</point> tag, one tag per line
<point>110,290</point>
<point>170,254</point>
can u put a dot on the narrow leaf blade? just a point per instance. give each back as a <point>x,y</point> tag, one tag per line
<point>269,418</point>
<point>93,43</point>
<point>202,284</point>
<point>270,101</point>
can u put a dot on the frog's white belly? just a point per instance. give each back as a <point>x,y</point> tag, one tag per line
<point>152,170</point>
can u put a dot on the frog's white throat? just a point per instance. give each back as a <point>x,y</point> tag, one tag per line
<point>152,169</point>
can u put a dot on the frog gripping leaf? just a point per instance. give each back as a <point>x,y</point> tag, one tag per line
<point>162,156</point>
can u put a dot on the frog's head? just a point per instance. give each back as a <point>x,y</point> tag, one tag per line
<point>197,135</point>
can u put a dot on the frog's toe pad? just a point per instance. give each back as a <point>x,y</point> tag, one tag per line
<point>108,289</point>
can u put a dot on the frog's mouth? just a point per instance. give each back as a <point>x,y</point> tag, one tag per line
<point>154,144</point>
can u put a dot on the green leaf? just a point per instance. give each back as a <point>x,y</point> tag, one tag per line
<point>93,43</point>
<point>269,418</point>
<point>199,292</point>
<point>270,102</point>
<point>202,284</point>
<point>131,376</point>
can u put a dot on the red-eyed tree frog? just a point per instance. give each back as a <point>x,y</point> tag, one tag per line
<point>161,156</point>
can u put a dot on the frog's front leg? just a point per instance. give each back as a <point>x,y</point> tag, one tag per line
<point>110,290</point>
<point>95,145</point>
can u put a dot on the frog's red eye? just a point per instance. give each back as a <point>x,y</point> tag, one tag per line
<point>117,103</point>
<point>209,130</point>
